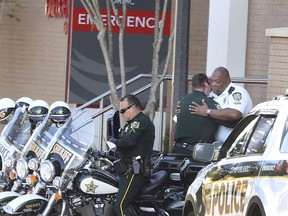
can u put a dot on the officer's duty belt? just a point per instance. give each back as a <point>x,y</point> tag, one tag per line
<point>185,145</point>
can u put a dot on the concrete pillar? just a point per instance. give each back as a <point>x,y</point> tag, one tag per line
<point>227,35</point>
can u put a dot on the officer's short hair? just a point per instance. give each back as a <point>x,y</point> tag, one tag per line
<point>132,99</point>
<point>199,79</point>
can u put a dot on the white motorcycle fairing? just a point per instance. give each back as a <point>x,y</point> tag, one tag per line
<point>6,197</point>
<point>25,203</point>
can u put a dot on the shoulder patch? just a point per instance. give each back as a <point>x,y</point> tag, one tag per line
<point>237,96</point>
<point>135,125</point>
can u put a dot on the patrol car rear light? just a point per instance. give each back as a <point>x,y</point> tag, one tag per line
<point>175,176</point>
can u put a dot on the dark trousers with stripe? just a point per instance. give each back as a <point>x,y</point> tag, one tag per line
<point>129,186</point>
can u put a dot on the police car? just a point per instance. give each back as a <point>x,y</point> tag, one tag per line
<point>250,176</point>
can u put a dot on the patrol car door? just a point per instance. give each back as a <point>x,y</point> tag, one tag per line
<point>226,183</point>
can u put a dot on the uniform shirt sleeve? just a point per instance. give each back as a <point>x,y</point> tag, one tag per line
<point>131,134</point>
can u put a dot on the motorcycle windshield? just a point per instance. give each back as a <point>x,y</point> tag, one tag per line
<point>72,141</point>
<point>15,134</point>
<point>39,140</point>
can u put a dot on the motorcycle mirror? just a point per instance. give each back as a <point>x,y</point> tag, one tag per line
<point>217,145</point>
<point>111,146</point>
<point>203,152</point>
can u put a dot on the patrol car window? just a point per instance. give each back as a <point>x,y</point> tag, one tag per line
<point>257,143</point>
<point>238,146</point>
<point>252,138</point>
<point>284,143</point>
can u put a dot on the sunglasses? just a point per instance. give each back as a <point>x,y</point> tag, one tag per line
<point>122,111</point>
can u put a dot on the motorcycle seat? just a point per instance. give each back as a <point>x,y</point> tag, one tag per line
<point>155,180</point>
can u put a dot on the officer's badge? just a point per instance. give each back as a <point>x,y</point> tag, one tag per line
<point>135,125</point>
<point>237,96</point>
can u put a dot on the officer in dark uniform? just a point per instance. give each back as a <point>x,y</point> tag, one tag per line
<point>192,129</point>
<point>136,139</point>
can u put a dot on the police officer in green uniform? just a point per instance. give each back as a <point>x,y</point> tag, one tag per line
<point>136,139</point>
<point>192,129</point>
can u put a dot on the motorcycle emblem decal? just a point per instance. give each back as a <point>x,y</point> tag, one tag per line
<point>65,154</point>
<point>33,205</point>
<point>37,149</point>
<point>4,203</point>
<point>2,114</point>
<point>3,151</point>
<point>91,187</point>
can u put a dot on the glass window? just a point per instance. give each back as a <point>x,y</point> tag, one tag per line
<point>252,138</point>
<point>284,143</point>
<point>258,141</point>
<point>242,138</point>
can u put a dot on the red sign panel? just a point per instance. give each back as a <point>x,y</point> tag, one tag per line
<point>137,22</point>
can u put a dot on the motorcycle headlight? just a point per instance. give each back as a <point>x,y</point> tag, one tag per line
<point>22,168</point>
<point>57,182</point>
<point>33,164</point>
<point>47,171</point>
<point>10,162</point>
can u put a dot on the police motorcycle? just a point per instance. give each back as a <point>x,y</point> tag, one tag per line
<point>26,178</point>
<point>25,170</point>
<point>77,186</point>
<point>66,152</point>
<point>22,133</point>
<point>14,135</point>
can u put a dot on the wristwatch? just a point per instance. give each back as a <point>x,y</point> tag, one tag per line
<point>208,112</point>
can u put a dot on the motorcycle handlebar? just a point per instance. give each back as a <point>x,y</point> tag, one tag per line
<point>97,153</point>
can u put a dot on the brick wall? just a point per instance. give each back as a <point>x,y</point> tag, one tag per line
<point>278,62</point>
<point>199,15</point>
<point>32,54</point>
<point>263,14</point>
